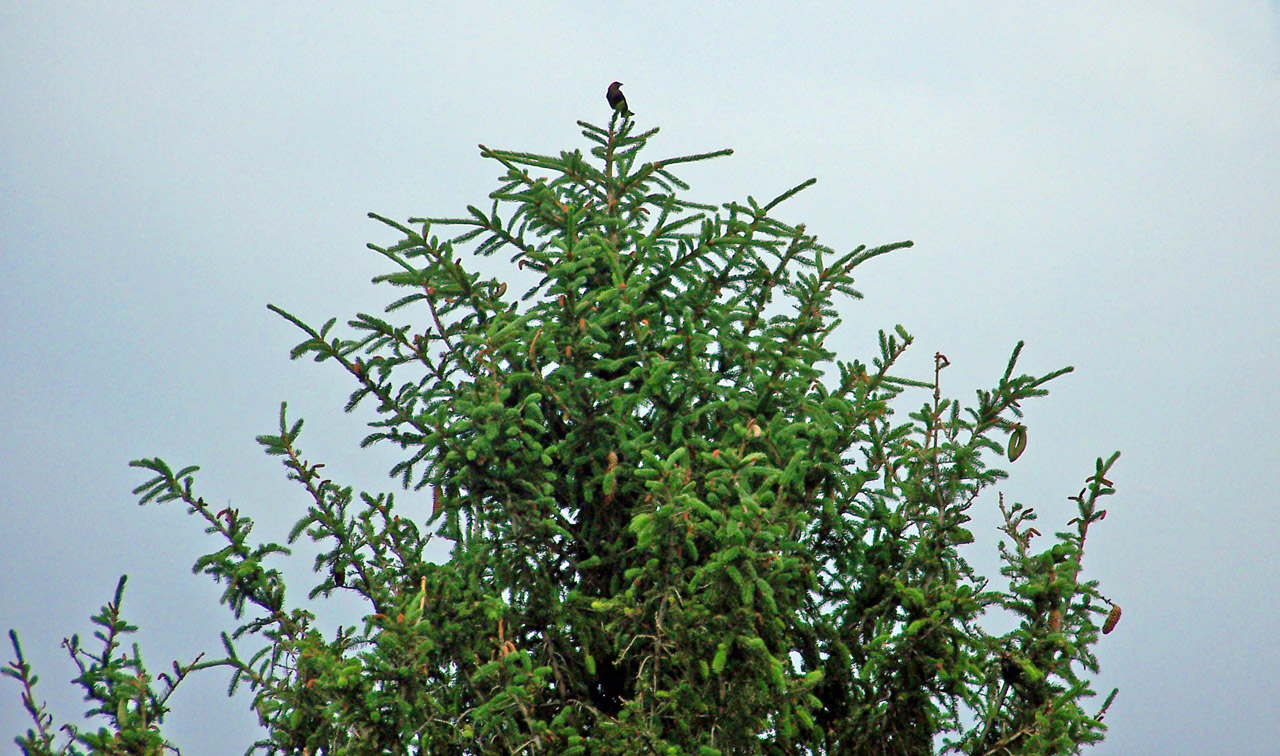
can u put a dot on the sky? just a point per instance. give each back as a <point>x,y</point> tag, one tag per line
<point>1101,180</point>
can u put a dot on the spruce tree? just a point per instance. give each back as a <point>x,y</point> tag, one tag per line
<point>678,522</point>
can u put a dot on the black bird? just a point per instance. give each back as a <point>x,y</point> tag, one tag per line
<point>617,100</point>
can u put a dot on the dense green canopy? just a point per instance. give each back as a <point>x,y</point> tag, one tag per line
<point>679,524</point>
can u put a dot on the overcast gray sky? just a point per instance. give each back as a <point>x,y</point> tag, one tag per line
<point>1098,179</point>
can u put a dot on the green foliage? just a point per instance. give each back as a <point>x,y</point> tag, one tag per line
<point>117,685</point>
<point>678,523</point>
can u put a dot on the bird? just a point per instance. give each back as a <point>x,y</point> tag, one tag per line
<point>617,100</point>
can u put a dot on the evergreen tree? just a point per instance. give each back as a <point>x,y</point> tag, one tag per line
<point>678,524</point>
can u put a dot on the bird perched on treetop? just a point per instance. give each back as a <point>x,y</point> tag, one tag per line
<point>617,100</point>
